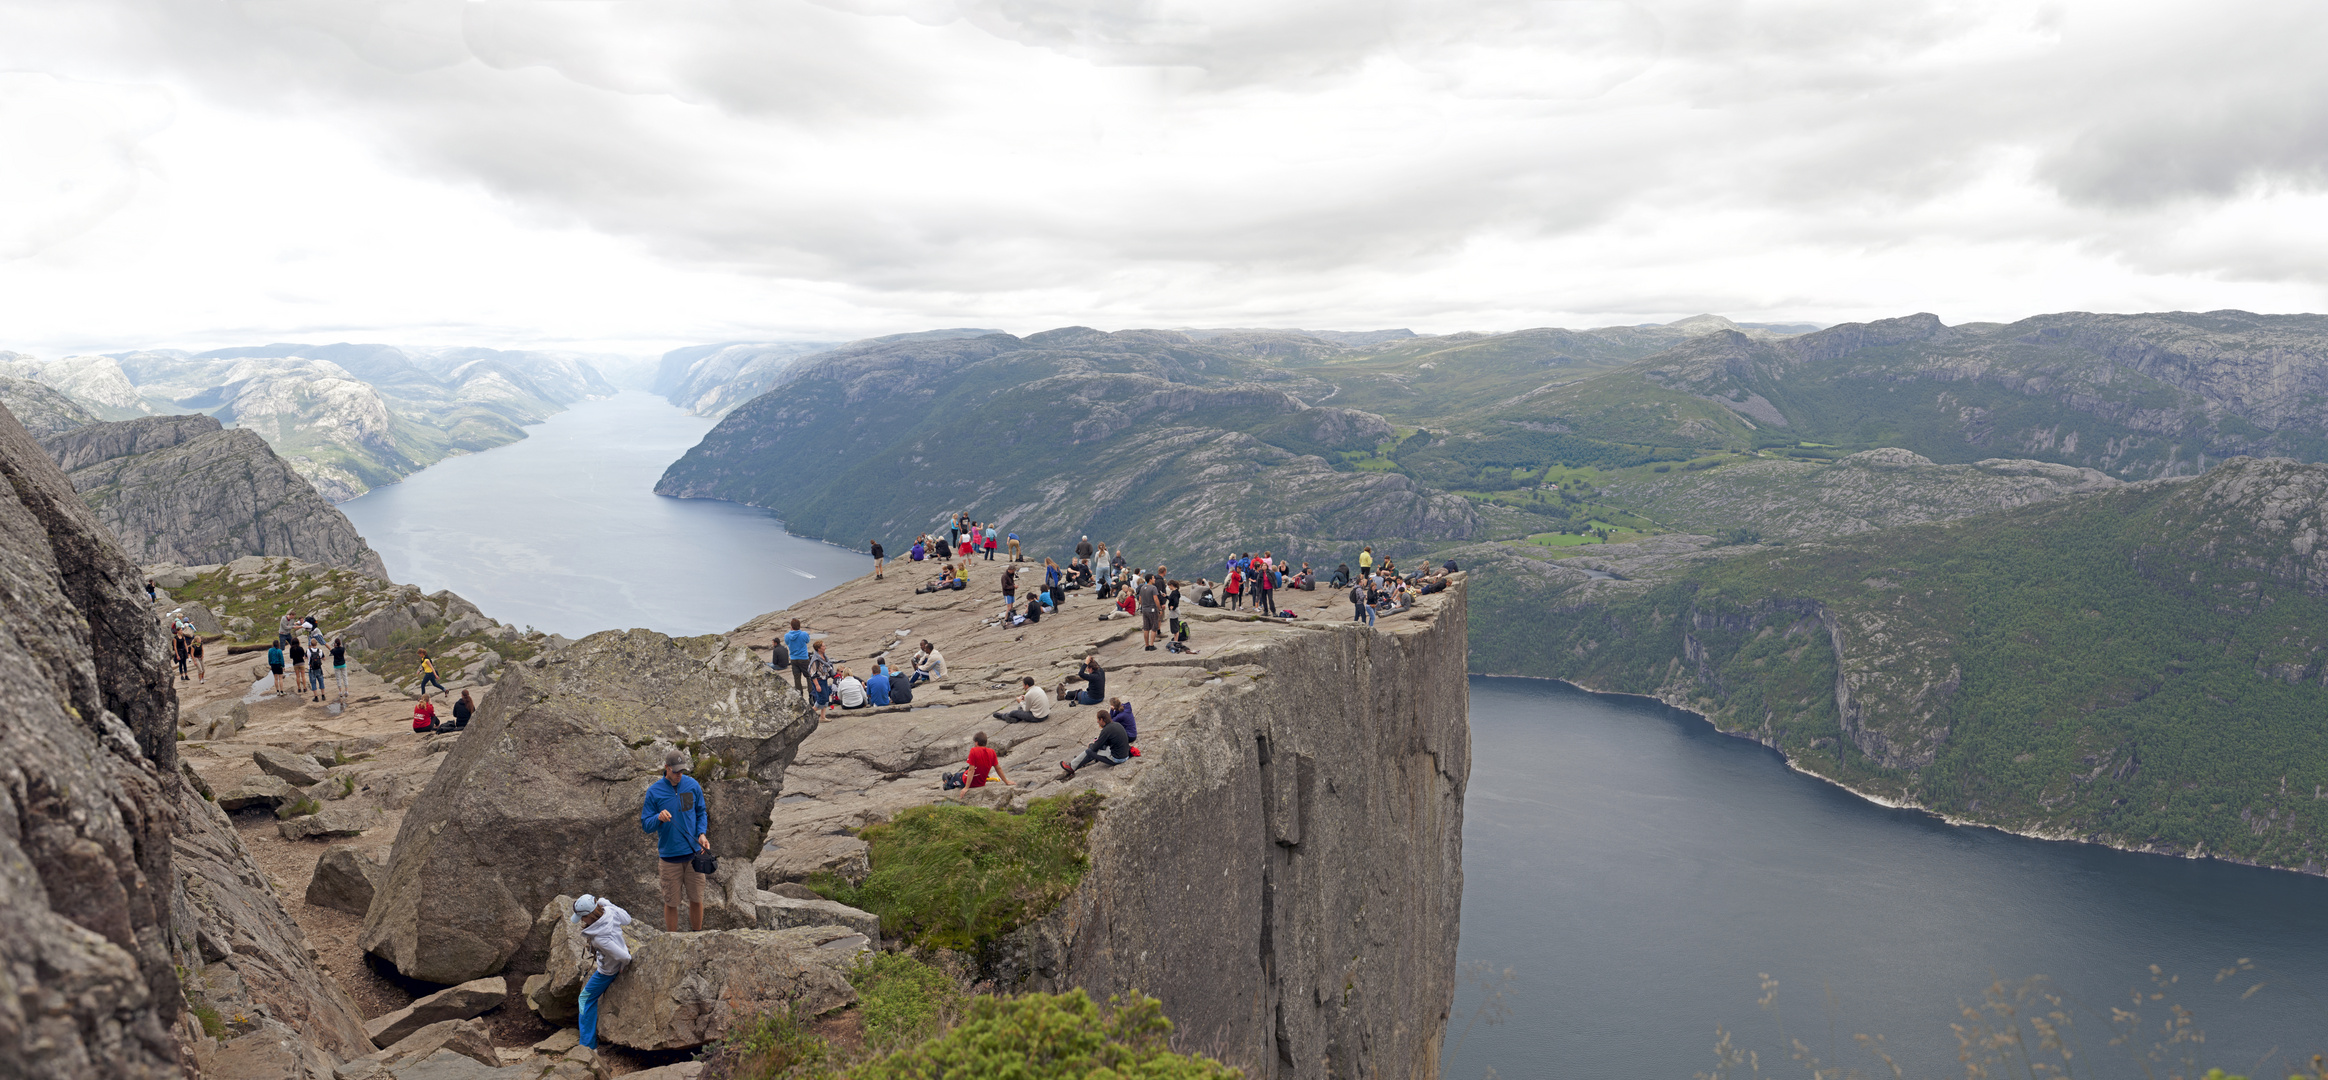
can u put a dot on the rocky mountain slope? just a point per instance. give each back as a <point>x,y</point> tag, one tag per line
<point>347,417</point>
<point>2139,665</point>
<point>42,409</point>
<point>180,489</point>
<point>120,886</point>
<point>1872,489</point>
<point>1176,447</point>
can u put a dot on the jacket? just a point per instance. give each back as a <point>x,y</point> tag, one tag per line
<point>605,940</point>
<point>675,837</point>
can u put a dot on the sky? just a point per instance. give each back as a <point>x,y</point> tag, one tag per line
<point>635,176</point>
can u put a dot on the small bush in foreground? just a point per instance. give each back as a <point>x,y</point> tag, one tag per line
<point>1051,1037</point>
<point>957,877</point>
<point>901,1000</point>
<point>774,1047</point>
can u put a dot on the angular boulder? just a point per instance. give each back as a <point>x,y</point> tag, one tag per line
<point>298,770</point>
<point>469,1038</point>
<point>343,881</point>
<point>542,796</point>
<point>462,1002</point>
<point>272,1052</point>
<point>259,790</point>
<point>684,990</point>
<point>330,821</point>
<point>217,720</point>
<point>779,912</point>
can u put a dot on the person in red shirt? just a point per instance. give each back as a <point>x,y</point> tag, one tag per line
<point>982,761</point>
<point>424,715</point>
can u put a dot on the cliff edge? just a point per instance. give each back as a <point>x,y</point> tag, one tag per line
<point>1282,866</point>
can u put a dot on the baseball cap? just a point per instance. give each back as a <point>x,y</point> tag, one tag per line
<point>584,905</point>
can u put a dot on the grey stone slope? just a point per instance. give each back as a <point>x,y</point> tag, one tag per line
<point>42,409</point>
<point>180,489</point>
<point>1873,489</point>
<point>102,906</point>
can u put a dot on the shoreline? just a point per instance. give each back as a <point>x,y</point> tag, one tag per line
<point>1944,817</point>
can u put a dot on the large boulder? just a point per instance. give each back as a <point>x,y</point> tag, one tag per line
<point>329,822</point>
<point>296,769</point>
<point>684,990</point>
<point>257,789</point>
<point>780,912</point>
<point>343,881</point>
<point>541,796</point>
<point>470,999</point>
<point>217,720</point>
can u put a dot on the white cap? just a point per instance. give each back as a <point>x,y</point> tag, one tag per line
<point>584,906</point>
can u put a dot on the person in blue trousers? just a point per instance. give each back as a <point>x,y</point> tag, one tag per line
<point>602,924</point>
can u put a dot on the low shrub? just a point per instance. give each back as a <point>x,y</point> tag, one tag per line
<point>901,1000</point>
<point>1050,1037</point>
<point>774,1046</point>
<point>958,877</point>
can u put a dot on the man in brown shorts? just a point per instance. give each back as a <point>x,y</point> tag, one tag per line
<point>1151,615</point>
<point>674,811</point>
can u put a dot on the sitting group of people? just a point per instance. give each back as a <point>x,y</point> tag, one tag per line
<point>424,714</point>
<point>964,538</point>
<point>1119,730</point>
<point>828,685</point>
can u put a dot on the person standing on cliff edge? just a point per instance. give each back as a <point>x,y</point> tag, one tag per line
<point>796,648</point>
<point>877,560</point>
<point>675,812</point>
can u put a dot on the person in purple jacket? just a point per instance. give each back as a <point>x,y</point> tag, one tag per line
<point>674,811</point>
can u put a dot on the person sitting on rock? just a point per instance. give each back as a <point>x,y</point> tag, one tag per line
<point>919,551</point>
<point>424,715</point>
<point>1113,747</point>
<point>928,664</point>
<point>900,688</point>
<point>462,711</point>
<point>1120,711</point>
<point>877,687</point>
<point>982,761</point>
<point>602,924</point>
<point>849,691</point>
<point>674,810</point>
<point>1034,706</point>
<point>1094,680</point>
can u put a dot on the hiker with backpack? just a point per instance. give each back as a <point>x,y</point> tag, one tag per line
<point>674,811</point>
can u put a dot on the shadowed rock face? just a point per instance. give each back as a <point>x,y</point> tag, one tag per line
<point>541,796</point>
<point>178,489</point>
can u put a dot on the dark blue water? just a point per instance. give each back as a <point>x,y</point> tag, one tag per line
<point>563,531</point>
<point>1638,873</point>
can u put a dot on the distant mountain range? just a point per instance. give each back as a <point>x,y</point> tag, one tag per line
<point>346,417</point>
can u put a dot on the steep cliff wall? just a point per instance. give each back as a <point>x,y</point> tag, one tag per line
<point>114,877</point>
<point>179,489</point>
<point>1283,865</point>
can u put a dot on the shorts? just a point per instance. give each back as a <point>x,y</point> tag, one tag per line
<point>277,668</point>
<point>680,877</point>
<point>1151,620</point>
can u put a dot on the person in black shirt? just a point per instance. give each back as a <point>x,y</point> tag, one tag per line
<point>1113,747</point>
<point>1094,680</point>
<point>876,546</point>
<point>462,711</point>
<point>339,664</point>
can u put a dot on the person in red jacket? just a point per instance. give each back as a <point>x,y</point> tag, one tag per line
<point>983,760</point>
<point>424,715</point>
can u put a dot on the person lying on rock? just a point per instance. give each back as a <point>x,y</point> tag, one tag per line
<point>602,924</point>
<point>1034,706</point>
<point>674,811</point>
<point>1094,680</point>
<point>1113,747</point>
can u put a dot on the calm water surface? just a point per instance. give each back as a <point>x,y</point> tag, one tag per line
<point>1634,870</point>
<point>563,531</point>
<point>1638,872</point>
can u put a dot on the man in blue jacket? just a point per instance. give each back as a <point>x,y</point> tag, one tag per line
<point>796,643</point>
<point>675,812</point>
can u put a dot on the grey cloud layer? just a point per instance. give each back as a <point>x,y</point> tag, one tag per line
<point>968,145</point>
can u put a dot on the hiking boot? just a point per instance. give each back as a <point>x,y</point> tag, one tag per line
<point>1066,768</point>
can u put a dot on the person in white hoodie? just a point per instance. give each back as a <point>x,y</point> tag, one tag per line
<point>602,924</point>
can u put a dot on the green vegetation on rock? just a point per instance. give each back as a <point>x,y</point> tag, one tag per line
<point>901,1000</point>
<point>958,877</point>
<point>1051,1037</point>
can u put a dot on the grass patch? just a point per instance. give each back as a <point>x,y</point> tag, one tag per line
<point>958,877</point>
<point>774,1046</point>
<point>901,1001</point>
<point>212,1025</point>
<point>299,807</point>
<point>1050,1037</point>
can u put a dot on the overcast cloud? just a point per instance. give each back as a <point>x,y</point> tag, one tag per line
<point>641,174</point>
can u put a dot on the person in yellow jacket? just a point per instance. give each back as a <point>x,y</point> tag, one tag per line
<point>428,673</point>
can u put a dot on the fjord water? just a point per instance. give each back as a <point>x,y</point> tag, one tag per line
<point>1634,869</point>
<point>1638,872</point>
<point>563,531</point>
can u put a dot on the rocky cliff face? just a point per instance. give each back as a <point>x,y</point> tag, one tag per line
<point>1283,865</point>
<point>179,489</point>
<point>41,409</point>
<point>115,877</point>
<point>1873,489</point>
